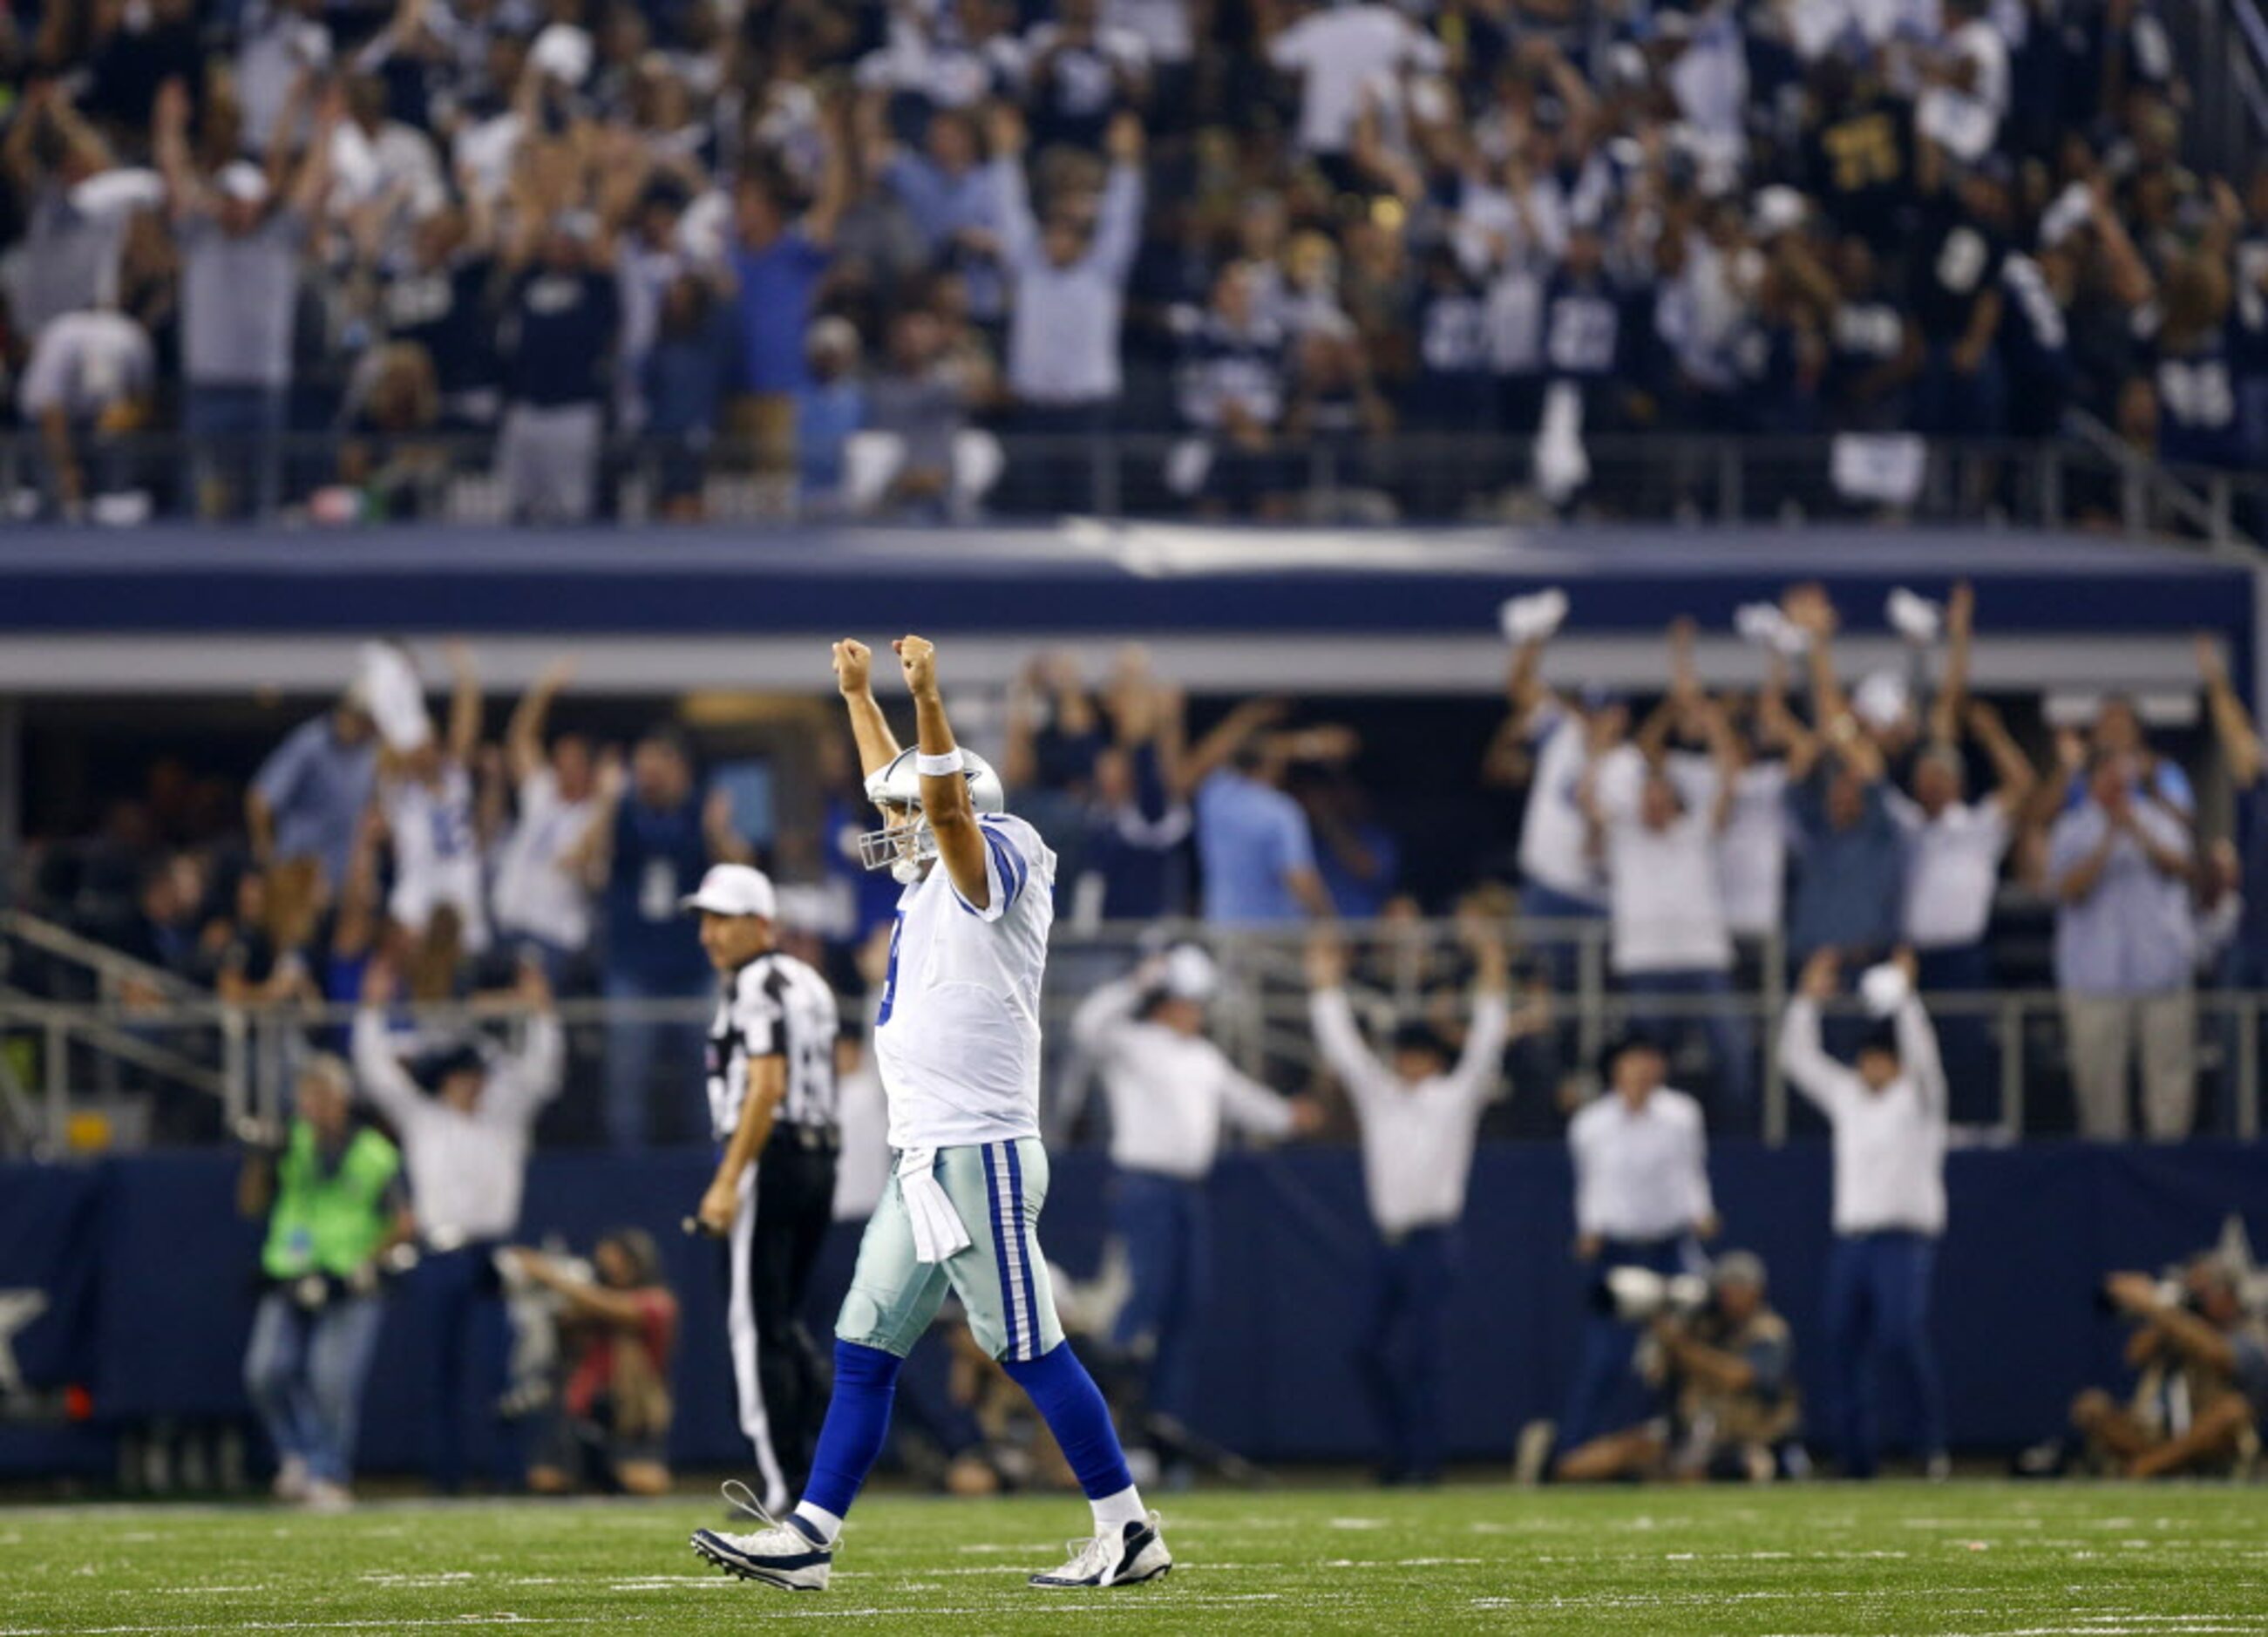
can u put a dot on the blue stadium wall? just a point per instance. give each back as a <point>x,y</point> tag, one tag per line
<point>150,1273</point>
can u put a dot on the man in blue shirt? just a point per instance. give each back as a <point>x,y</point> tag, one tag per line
<point>1850,874</point>
<point>2119,869</point>
<point>1850,867</point>
<point>779,265</point>
<point>311,791</point>
<point>649,845</point>
<point>1254,846</point>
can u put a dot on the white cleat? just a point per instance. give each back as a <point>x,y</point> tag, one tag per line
<point>1134,1554</point>
<point>778,1554</point>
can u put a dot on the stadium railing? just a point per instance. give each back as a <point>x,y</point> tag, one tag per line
<point>2088,480</point>
<point>87,1072</point>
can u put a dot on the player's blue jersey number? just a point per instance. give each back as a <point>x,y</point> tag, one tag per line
<point>890,975</point>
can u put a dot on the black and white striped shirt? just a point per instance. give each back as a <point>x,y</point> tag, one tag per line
<point>776,1005</point>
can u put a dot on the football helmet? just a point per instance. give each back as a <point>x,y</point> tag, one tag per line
<point>906,849</point>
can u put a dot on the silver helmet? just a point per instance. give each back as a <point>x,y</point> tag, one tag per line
<point>906,849</point>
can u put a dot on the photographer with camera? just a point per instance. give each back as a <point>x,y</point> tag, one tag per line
<point>1725,1362</point>
<point>1887,1111</point>
<point>329,1187</point>
<point>616,1324</point>
<point>2204,1386</point>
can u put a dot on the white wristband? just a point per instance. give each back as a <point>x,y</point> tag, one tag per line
<point>936,766</point>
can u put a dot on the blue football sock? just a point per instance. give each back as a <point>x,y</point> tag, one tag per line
<point>858,1420</point>
<point>1071,1405</point>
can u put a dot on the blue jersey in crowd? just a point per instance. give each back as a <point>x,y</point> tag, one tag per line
<point>659,855</point>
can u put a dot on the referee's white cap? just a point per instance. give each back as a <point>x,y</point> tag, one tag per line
<point>733,889</point>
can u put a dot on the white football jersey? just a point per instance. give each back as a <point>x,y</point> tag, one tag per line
<point>437,857</point>
<point>958,1032</point>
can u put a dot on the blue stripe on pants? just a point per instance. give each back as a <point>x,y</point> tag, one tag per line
<point>1022,1261</point>
<point>1877,1310</point>
<point>1019,1342</point>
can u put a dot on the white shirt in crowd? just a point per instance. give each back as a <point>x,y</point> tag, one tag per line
<point>1666,907</point>
<point>958,1034</point>
<point>1965,124</point>
<point>465,1170</point>
<point>396,160</point>
<point>1890,1145</point>
<point>537,896</point>
<point>1953,868</point>
<point>1641,1173</point>
<point>1170,1093</point>
<point>1752,850</point>
<point>437,858</point>
<point>83,363</point>
<point>1416,1140</point>
<point>1162,25</point>
<point>1334,52</point>
<point>1554,839</point>
<point>1064,324</point>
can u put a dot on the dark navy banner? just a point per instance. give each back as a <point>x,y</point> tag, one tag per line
<point>148,1274</point>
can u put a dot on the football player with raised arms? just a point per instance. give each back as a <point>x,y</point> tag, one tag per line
<point>957,1037</point>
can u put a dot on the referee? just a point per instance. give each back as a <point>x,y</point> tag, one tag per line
<point>772,1104</point>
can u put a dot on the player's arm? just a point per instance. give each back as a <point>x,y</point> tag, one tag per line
<point>878,746</point>
<point>944,795</point>
<point>767,1088</point>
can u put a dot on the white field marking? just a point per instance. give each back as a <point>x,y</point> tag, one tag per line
<point>994,1547</point>
<point>1396,1563</point>
<point>181,1591</point>
<point>436,1577</point>
<point>1357,1522</point>
<point>2066,1631</point>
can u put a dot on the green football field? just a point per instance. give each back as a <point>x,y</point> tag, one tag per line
<point>1968,1557</point>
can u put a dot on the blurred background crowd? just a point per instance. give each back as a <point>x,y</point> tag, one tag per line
<point>1664,862</point>
<point>548,259</point>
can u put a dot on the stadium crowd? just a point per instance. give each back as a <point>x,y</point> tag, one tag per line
<point>1709,843</point>
<point>828,252</point>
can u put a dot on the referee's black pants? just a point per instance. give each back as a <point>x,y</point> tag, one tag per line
<point>794,1204</point>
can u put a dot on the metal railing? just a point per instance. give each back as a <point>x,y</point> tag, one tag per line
<point>2088,480</point>
<point>89,1007</point>
<point>2004,1051</point>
